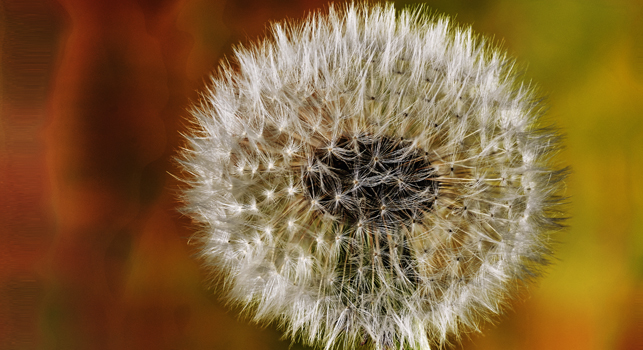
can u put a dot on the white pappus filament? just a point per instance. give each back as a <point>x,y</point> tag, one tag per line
<point>366,177</point>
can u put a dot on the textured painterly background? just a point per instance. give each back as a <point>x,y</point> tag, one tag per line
<point>93,95</point>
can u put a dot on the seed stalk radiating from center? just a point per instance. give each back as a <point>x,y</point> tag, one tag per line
<point>376,184</point>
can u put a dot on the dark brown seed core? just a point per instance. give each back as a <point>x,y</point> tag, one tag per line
<point>380,181</point>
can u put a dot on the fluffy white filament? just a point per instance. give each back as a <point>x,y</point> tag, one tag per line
<point>370,178</point>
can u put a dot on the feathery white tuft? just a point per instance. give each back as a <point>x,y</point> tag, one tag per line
<point>367,178</point>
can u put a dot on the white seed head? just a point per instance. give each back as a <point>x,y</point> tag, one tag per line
<point>370,178</point>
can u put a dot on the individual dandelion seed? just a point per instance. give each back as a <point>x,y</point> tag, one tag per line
<point>370,178</point>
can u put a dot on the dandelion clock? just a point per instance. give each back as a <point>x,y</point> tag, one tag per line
<point>371,178</point>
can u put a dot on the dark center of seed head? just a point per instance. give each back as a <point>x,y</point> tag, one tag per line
<point>379,181</point>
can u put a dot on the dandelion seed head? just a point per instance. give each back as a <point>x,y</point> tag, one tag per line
<point>367,177</point>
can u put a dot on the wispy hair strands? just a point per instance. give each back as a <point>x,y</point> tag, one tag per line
<point>367,177</point>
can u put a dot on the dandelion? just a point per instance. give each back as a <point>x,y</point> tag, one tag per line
<point>370,178</point>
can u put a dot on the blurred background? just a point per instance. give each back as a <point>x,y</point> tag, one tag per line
<point>93,95</point>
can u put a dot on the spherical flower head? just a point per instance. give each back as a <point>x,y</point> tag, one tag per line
<point>370,178</point>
